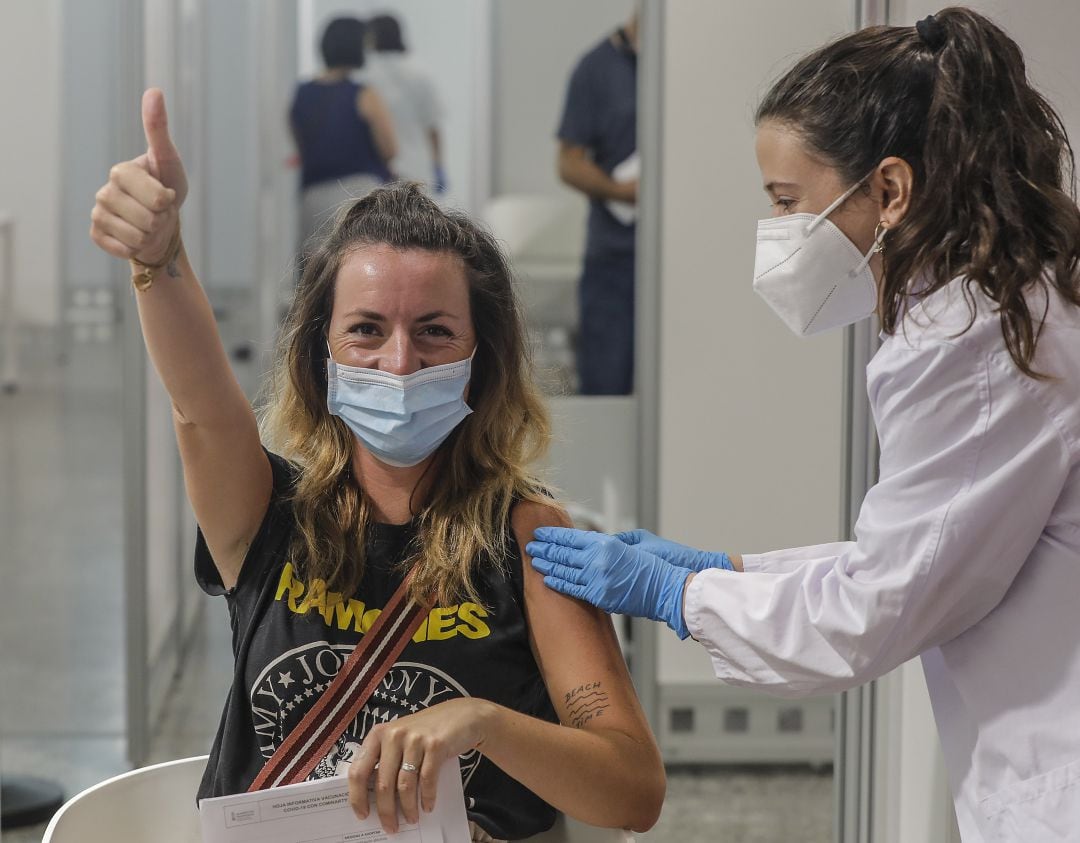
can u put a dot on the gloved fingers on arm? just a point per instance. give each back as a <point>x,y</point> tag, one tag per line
<point>565,573</point>
<point>564,587</point>
<point>579,539</point>
<point>556,553</point>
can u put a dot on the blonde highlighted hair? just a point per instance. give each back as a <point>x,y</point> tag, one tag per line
<point>483,467</point>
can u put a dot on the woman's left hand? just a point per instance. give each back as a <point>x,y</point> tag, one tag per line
<point>406,754</point>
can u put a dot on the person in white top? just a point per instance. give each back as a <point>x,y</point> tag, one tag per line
<point>914,171</point>
<point>410,94</point>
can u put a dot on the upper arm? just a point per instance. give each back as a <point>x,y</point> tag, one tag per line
<point>578,124</point>
<point>575,646</point>
<point>373,108</point>
<point>229,483</point>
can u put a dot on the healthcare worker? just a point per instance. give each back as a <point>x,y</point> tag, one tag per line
<point>914,171</point>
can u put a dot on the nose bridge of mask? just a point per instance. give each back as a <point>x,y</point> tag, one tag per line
<point>404,383</point>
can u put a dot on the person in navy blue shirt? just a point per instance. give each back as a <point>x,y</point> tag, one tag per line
<point>597,134</point>
<point>343,131</point>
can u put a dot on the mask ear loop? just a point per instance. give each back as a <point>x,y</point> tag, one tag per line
<point>840,200</point>
<point>877,248</point>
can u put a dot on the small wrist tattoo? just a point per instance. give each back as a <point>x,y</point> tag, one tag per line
<point>172,269</point>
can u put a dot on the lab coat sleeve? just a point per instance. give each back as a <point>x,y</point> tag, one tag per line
<point>971,468</point>
<point>780,561</point>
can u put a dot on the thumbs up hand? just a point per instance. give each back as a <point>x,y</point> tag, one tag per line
<point>137,211</point>
<point>163,161</point>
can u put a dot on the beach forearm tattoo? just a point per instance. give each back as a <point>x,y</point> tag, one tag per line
<point>585,703</point>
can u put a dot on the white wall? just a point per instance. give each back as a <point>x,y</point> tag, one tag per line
<point>30,52</point>
<point>750,418</point>
<point>230,127</point>
<point>537,46</point>
<point>89,134</point>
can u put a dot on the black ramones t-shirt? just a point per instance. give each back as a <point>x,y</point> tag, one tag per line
<point>289,643</point>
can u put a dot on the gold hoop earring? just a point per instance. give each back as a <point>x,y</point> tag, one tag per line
<point>879,237</point>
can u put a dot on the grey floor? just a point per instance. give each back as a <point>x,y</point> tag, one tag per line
<point>61,621</point>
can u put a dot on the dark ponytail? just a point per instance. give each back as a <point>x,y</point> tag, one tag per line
<point>994,198</point>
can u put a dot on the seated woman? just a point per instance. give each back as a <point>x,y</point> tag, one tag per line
<point>403,422</point>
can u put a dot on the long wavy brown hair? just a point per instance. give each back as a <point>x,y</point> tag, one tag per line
<point>480,470</point>
<point>994,199</point>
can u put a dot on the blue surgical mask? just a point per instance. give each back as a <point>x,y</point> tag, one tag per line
<point>401,419</point>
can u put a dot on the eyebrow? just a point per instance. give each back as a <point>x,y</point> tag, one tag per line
<point>773,185</point>
<point>378,317</point>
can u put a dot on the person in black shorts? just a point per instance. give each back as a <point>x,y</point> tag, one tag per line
<point>397,436</point>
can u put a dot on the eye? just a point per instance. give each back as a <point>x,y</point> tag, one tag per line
<point>784,204</point>
<point>367,329</point>
<point>437,331</point>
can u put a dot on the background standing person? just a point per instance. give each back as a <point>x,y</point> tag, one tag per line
<point>413,102</point>
<point>597,134</point>
<point>343,131</point>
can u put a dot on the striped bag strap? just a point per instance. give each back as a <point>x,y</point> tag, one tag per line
<point>313,737</point>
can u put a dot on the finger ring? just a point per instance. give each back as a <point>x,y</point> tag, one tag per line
<point>409,768</point>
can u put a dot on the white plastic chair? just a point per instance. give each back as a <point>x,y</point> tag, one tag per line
<point>544,237</point>
<point>538,227</point>
<point>154,803</point>
<point>157,803</point>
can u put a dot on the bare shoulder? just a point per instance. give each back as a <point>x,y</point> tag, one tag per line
<point>544,605</point>
<point>531,515</point>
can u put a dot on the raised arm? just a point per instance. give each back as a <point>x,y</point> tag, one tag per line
<point>137,217</point>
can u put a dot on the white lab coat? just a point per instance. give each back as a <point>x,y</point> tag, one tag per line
<point>967,551</point>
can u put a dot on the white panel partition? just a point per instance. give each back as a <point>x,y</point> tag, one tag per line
<point>29,147</point>
<point>750,418</point>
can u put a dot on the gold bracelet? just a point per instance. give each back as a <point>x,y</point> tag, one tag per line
<point>143,276</point>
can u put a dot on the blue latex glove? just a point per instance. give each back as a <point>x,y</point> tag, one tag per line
<point>611,574</point>
<point>675,553</point>
<point>440,180</point>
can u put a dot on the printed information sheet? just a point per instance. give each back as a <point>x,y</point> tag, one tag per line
<point>319,812</point>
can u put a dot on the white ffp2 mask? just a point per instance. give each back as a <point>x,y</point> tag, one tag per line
<point>811,275</point>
